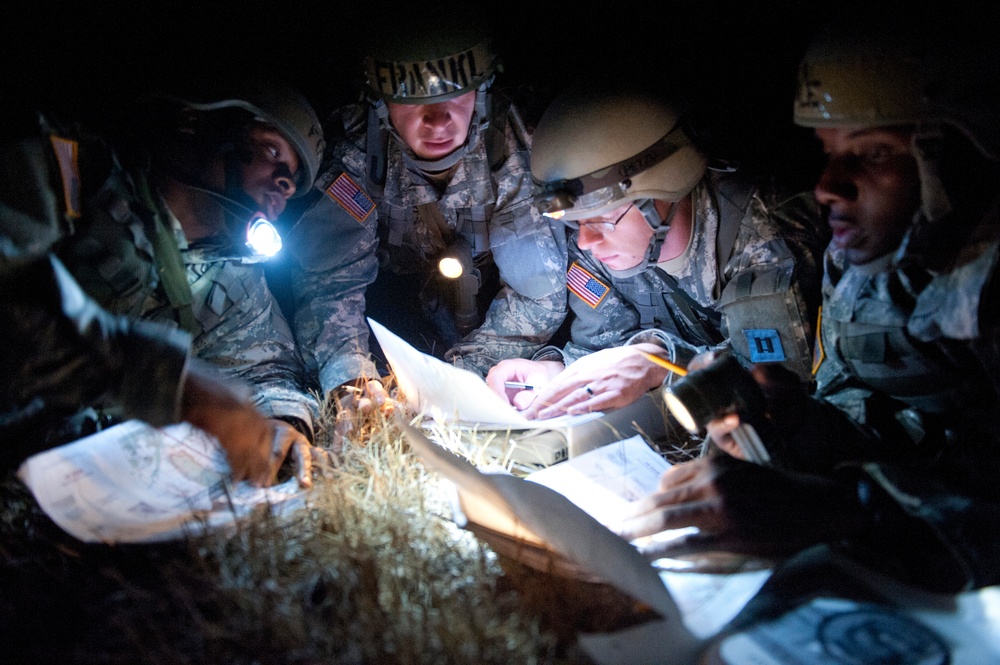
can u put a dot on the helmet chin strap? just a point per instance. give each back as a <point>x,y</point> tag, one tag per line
<point>660,228</point>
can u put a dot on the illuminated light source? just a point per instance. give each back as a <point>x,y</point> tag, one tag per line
<point>722,388</point>
<point>263,238</point>
<point>451,267</point>
<point>462,281</point>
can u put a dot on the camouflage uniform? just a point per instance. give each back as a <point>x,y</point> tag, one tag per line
<point>912,358</point>
<point>106,237</point>
<point>337,245</point>
<point>751,267</point>
<point>60,350</point>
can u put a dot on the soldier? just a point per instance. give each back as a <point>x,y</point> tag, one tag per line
<point>171,237</point>
<point>431,165</point>
<point>671,254</point>
<point>896,459</point>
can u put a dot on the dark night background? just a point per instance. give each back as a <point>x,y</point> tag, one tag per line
<point>734,62</point>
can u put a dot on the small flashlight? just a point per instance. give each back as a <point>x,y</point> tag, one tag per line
<point>722,388</point>
<point>463,282</point>
<point>262,237</point>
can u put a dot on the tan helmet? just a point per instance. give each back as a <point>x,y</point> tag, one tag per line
<point>428,61</point>
<point>863,76</point>
<point>595,149</point>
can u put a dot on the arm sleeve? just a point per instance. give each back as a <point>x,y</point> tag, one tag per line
<point>252,341</point>
<point>334,262</point>
<point>531,256</point>
<point>62,349</point>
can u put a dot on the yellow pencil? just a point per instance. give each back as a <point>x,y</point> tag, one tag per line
<point>666,364</point>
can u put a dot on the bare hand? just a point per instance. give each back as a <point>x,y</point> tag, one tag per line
<point>743,508</point>
<point>535,373</point>
<point>288,440</point>
<point>217,406</point>
<point>353,403</point>
<point>615,378</point>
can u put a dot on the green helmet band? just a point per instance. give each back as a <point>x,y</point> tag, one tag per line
<point>430,81</point>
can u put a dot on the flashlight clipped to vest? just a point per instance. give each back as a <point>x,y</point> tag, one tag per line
<point>456,266</point>
<point>263,239</point>
<point>722,388</point>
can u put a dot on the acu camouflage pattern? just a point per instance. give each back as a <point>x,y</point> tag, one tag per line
<point>337,257</point>
<point>60,349</point>
<point>772,276</point>
<point>915,360</point>
<point>110,253</point>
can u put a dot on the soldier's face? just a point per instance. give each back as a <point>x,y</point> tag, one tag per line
<point>269,176</point>
<point>870,189</point>
<point>434,131</point>
<point>623,247</point>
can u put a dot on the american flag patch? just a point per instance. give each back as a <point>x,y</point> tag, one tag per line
<point>590,289</point>
<point>350,197</point>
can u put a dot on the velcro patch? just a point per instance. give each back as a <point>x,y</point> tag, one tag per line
<point>67,152</point>
<point>765,345</point>
<point>587,287</point>
<point>351,197</point>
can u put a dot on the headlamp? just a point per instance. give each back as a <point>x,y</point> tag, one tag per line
<point>262,237</point>
<point>722,388</point>
<point>554,203</point>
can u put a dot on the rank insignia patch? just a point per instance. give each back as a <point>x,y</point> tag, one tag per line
<point>351,197</point>
<point>765,345</point>
<point>587,287</point>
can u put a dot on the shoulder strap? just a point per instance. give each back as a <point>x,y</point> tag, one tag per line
<point>168,259</point>
<point>733,195</point>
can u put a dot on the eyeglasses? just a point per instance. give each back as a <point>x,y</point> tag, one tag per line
<point>597,225</point>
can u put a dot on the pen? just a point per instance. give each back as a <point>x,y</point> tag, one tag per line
<point>666,364</point>
<point>518,385</point>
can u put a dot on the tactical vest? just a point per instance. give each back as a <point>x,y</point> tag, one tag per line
<point>869,326</point>
<point>442,226</point>
<point>697,323</point>
<point>120,248</point>
<point>756,311</point>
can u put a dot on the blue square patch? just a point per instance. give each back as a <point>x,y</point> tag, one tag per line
<point>765,346</point>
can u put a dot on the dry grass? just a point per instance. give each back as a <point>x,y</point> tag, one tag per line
<point>374,571</point>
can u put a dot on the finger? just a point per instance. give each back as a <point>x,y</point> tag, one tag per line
<point>302,455</point>
<point>376,392</point>
<point>667,517</point>
<point>572,400</point>
<point>523,399</point>
<point>365,406</point>
<point>690,543</point>
<point>680,475</point>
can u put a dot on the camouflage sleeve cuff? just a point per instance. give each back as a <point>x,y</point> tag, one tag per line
<point>679,351</point>
<point>345,370</point>
<point>551,353</point>
<point>297,409</point>
<point>153,364</point>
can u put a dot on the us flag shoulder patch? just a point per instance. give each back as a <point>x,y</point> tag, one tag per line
<point>351,197</point>
<point>587,287</point>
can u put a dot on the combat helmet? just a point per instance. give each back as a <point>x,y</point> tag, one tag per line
<point>597,148</point>
<point>427,60</point>
<point>923,74</point>
<point>274,104</point>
